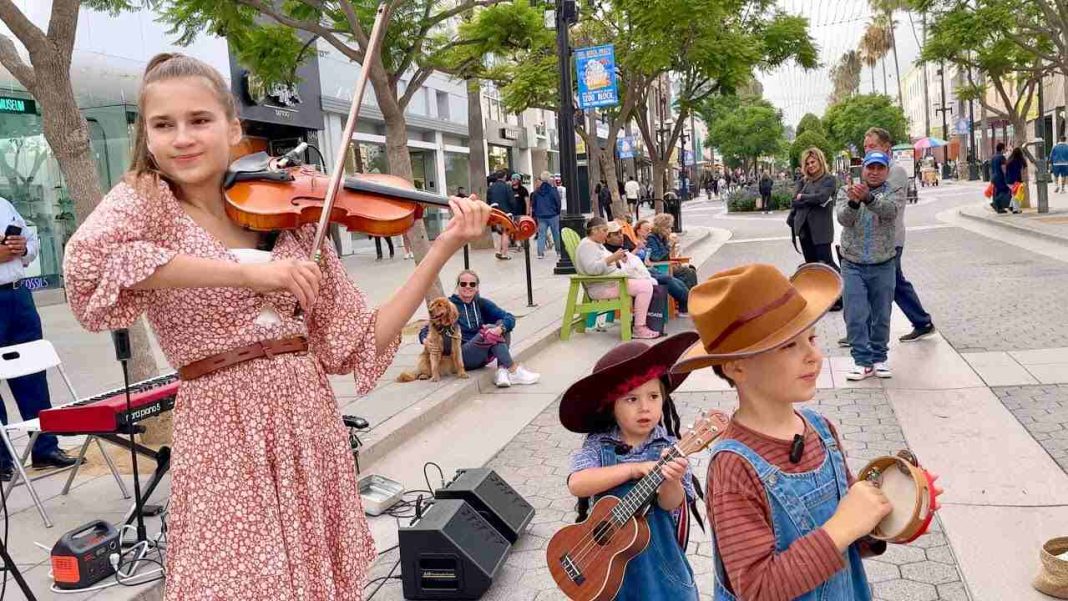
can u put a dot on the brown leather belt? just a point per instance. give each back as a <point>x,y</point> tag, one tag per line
<point>266,348</point>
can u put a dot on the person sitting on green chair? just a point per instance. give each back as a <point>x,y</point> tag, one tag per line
<point>594,259</point>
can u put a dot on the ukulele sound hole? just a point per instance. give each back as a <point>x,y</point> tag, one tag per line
<point>603,533</point>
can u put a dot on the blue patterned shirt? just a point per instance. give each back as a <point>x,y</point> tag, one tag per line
<point>589,456</point>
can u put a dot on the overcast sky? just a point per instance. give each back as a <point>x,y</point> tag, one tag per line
<point>836,26</point>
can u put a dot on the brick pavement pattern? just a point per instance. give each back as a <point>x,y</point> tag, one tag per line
<point>536,463</point>
<point>1043,411</point>
<point>972,286</point>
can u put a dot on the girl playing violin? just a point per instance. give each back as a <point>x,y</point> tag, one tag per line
<point>263,497</point>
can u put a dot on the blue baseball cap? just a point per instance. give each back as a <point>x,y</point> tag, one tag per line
<point>876,156</point>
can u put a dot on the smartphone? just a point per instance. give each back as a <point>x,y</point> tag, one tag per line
<point>12,230</point>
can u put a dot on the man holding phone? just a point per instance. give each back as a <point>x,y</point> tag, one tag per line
<point>19,323</point>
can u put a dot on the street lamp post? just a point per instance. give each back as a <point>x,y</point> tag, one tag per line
<point>1041,185</point>
<point>942,108</point>
<point>565,127</point>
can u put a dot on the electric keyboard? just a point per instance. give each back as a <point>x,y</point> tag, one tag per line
<point>106,412</point>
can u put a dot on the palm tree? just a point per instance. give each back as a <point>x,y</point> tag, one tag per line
<point>845,75</point>
<point>874,46</point>
<point>887,9</point>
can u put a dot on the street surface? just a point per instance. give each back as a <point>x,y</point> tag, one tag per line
<point>984,404</point>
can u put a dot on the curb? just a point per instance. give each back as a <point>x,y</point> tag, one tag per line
<point>409,422</point>
<point>963,212</point>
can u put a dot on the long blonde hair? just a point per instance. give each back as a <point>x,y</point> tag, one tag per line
<point>813,152</point>
<point>165,66</point>
<point>662,224</point>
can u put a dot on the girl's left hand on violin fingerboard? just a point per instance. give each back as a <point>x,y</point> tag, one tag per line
<point>469,217</point>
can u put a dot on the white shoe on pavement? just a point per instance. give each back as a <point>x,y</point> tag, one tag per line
<point>522,375</point>
<point>882,370</point>
<point>502,380</point>
<point>860,372</point>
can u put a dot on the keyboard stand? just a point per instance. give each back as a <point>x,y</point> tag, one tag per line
<point>162,458</point>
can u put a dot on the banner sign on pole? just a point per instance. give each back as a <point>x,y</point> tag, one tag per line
<point>963,126</point>
<point>625,147</point>
<point>596,69</point>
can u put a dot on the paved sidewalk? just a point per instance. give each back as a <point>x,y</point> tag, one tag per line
<point>396,411</point>
<point>1051,226</point>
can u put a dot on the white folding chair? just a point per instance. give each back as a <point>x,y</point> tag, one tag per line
<point>22,360</point>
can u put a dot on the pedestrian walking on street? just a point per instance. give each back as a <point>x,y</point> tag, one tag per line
<point>604,210</point>
<point>811,217</point>
<point>633,191</point>
<point>905,295</point>
<point>546,201</point>
<point>604,198</point>
<point>765,185</point>
<point>501,195</point>
<point>625,409</point>
<point>789,520</point>
<point>1015,175</point>
<point>521,199</point>
<point>866,212</point>
<point>1058,159</point>
<point>1002,192</point>
<point>19,324</point>
<point>263,502</point>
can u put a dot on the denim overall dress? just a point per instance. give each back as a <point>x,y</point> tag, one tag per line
<point>661,571</point>
<point>800,503</point>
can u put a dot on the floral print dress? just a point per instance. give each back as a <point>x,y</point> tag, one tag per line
<point>264,502</point>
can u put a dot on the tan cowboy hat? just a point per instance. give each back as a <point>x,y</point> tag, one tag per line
<point>751,309</point>
<point>1052,576</point>
<point>587,402</point>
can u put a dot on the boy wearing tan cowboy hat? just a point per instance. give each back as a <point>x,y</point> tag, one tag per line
<point>624,407</point>
<point>788,520</point>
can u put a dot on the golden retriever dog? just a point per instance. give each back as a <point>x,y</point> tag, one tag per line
<point>443,316</point>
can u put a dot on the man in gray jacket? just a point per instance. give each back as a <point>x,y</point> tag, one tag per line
<point>866,212</point>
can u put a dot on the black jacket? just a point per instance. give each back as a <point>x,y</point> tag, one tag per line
<point>815,208</point>
<point>501,194</point>
<point>766,185</point>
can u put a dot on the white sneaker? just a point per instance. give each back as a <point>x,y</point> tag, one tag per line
<point>860,372</point>
<point>882,370</point>
<point>502,380</point>
<point>523,376</point>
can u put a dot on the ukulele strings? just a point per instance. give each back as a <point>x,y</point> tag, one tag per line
<point>611,528</point>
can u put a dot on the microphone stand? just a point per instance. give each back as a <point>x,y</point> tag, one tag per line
<point>8,564</point>
<point>123,353</point>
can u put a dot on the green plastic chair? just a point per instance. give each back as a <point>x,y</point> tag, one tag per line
<point>579,304</point>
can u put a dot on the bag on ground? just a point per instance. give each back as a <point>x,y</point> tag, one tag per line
<point>656,319</point>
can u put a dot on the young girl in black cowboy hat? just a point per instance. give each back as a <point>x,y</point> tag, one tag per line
<point>625,409</point>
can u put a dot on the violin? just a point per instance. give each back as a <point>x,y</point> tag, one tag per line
<point>263,194</point>
<point>266,194</point>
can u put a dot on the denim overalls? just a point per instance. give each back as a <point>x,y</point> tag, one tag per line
<point>800,503</point>
<point>661,571</point>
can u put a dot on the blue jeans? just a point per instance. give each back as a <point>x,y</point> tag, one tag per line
<point>19,323</point>
<point>868,298</point>
<point>477,353</point>
<point>545,224</point>
<point>906,298</point>
<point>675,288</point>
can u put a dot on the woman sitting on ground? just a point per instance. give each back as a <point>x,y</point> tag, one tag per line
<point>594,259</point>
<point>675,287</point>
<point>485,330</point>
<point>663,246</point>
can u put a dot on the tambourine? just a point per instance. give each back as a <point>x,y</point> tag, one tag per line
<point>910,490</point>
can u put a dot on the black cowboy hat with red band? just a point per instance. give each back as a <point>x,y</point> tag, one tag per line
<point>587,404</point>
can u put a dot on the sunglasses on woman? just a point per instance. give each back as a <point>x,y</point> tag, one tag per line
<point>468,284</point>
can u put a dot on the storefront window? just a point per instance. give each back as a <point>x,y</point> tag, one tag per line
<point>456,172</point>
<point>500,158</point>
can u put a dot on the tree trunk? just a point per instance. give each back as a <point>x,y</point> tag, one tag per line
<point>400,164</point>
<point>885,90</point>
<point>897,68</point>
<point>476,159</point>
<point>67,134</point>
<point>871,69</point>
<point>659,183</point>
<point>593,162</point>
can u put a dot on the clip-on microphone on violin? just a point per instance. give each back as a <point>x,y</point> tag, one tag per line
<point>124,352</point>
<point>293,156</point>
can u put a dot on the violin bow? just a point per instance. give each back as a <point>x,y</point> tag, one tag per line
<point>374,45</point>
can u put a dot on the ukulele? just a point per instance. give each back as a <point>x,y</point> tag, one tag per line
<point>588,559</point>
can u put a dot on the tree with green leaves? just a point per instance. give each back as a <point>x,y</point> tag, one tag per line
<point>747,131</point>
<point>713,54</point>
<point>810,122</point>
<point>47,78</point>
<point>886,9</point>
<point>980,37</point>
<point>807,140</point>
<point>845,76</point>
<point>847,121</point>
<point>266,38</point>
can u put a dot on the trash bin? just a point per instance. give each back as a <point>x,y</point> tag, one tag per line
<point>973,171</point>
<point>986,171</point>
<point>673,205</point>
